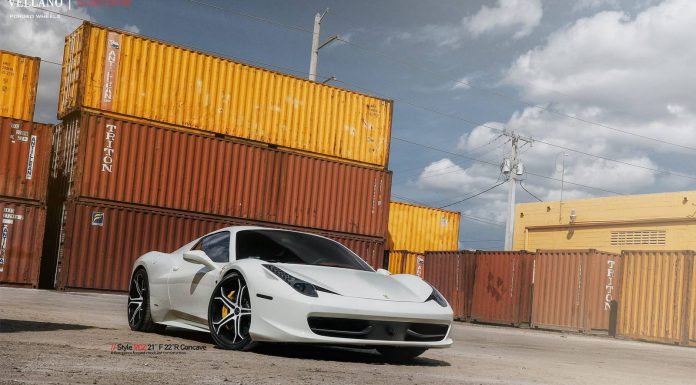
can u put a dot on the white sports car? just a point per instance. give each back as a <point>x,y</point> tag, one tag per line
<point>250,284</point>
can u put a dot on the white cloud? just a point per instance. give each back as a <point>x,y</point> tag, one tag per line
<point>42,38</point>
<point>519,17</point>
<point>131,28</point>
<point>594,4</point>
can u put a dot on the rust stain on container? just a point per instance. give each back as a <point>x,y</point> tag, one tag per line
<point>503,287</point>
<point>419,228</point>
<point>574,289</point>
<point>21,234</point>
<point>103,70</point>
<point>19,77</point>
<point>124,161</point>
<point>405,262</point>
<point>25,154</point>
<point>452,273</point>
<point>655,304</point>
<point>102,240</point>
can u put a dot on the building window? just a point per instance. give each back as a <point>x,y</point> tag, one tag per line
<point>642,237</point>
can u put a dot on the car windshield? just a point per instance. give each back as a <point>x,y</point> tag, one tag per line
<point>300,248</point>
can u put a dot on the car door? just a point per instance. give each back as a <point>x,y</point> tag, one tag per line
<point>190,284</point>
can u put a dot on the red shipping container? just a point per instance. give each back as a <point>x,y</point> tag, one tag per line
<point>574,289</point>
<point>102,240</point>
<point>125,161</point>
<point>21,235</point>
<point>25,154</point>
<point>503,287</point>
<point>452,273</point>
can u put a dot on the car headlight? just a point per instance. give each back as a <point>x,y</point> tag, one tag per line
<point>437,297</point>
<point>302,287</point>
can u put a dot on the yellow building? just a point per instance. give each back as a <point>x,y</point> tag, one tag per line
<point>665,221</point>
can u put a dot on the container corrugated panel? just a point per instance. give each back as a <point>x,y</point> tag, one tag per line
<point>420,228</point>
<point>452,273</point>
<point>25,154</point>
<point>21,235</point>
<point>99,254</point>
<point>106,69</point>
<point>654,296</point>
<point>405,262</point>
<point>125,161</point>
<point>19,77</point>
<point>692,305</point>
<point>503,287</point>
<point>573,289</point>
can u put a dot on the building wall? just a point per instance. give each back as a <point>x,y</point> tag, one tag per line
<point>665,221</point>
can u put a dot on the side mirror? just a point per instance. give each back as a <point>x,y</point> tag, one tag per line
<point>383,272</point>
<point>200,257</point>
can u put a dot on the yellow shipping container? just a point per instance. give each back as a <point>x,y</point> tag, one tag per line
<point>405,262</point>
<point>420,228</point>
<point>121,73</point>
<point>19,77</point>
<point>663,221</point>
<point>654,303</point>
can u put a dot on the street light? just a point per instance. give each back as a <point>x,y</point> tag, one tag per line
<point>560,203</point>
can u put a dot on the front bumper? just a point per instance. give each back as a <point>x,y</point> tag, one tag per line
<point>285,319</point>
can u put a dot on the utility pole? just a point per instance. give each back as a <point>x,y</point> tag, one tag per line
<point>314,58</point>
<point>513,169</point>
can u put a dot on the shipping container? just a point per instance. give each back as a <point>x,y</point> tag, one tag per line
<point>101,240</point>
<point>124,161</point>
<point>25,154</point>
<point>19,77</point>
<point>419,228</point>
<point>404,262</point>
<point>20,242</point>
<point>503,287</point>
<point>655,300</point>
<point>574,289</point>
<point>131,75</point>
<point>452,273</point>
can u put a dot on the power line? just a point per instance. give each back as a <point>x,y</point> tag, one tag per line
<point>473,196</point>
<point>525,189</point>
<point>467,216</point>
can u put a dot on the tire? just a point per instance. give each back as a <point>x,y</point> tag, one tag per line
<point>399,353</point>
<point>138,311</point>
<point>229,313</point>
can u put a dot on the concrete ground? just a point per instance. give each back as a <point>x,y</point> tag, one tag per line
<point>68,338</point>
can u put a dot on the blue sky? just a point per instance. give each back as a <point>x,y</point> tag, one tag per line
<point>458,71</point>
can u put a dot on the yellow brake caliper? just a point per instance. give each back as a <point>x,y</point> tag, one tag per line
<point>224,308</point>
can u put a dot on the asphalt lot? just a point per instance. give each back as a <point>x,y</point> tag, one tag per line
<point>67,338</point>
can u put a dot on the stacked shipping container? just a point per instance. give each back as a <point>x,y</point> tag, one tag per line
<point>25,149</point>
<point>173,141</point>
<point>412,230</point>
<point>452,273</point>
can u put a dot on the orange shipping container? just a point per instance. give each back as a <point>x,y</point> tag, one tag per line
<point>420,228</point>
<point>101,240</point>
<point>405,262</point>
<point>503,287</point>
<point>25,154</point>
<point>131,75</point>
<point>574,289</point>
<point>124,161</point>
<point>452,273</point>
<point>21,234</point>
<point>655,290</point>
<point>19,77</point>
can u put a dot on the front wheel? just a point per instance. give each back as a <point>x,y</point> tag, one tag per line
<point>229,313</point>
<point>139,315</point>
<point>400,354</point>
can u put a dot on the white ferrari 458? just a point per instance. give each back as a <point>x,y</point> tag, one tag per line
<point>253,284</point>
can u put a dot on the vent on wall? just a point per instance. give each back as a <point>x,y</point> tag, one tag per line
<point>642,237</point>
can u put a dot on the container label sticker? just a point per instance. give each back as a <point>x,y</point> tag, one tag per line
<point>108,151</point>
<point>3,246</point>
<point>97,218</point>
<point>443,221</point>
<point>420,264</point>
<point>18,217</point>
<point>8,210</point>
<point>111,60</point>
<point>610,285</point>
<point>30,161</point>
<point>19,136</point>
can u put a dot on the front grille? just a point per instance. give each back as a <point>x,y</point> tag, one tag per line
<point>377,330</point>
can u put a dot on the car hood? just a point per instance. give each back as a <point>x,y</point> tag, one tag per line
<point>362,284</point>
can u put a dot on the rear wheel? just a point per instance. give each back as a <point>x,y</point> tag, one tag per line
<point>229,313</point>
<point>399,353</point>
<point>139,315</point>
